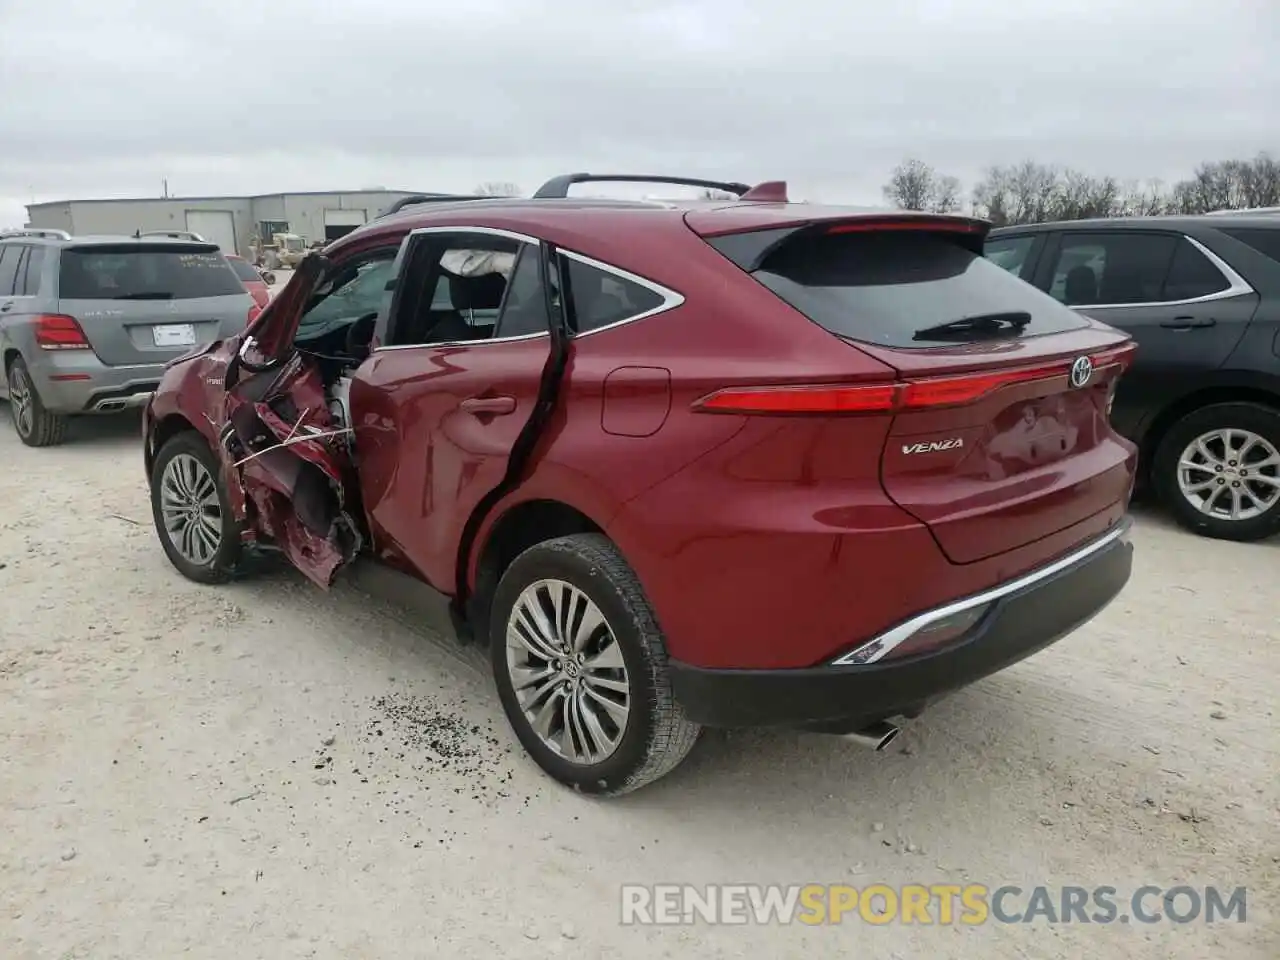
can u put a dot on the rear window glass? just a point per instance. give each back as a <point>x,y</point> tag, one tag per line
<point>244,270</point>
<point>885,288</point>
<point>1266,242</point>
<point>133,273</point>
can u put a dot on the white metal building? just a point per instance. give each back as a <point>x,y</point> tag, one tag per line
<point>229,222</point>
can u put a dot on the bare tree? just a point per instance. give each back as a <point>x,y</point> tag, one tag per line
<point>497,188</point>
<point>1032,192</point>
<point>1079,196</point>
<point>914,185</point>
<point>1142,199</point>
<point>1260,181</point>
<point>946,194</point>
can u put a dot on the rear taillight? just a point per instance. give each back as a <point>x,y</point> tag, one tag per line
<point>1121,356</point>
<point>899,396</point>
<point>56,332</point>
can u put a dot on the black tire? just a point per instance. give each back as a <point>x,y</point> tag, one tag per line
<point>41,428</point>
<point>226,561</point>
<point>657,736</point>
<point>1256,418</point>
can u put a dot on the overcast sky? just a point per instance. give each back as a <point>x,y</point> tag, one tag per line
<point>106,98</point>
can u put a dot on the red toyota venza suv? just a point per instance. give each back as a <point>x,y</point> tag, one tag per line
<point>676,464</point>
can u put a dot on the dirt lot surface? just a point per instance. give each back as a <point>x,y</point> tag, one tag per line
<point>268,771</point>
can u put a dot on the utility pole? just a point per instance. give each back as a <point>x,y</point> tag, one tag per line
<point>166,188</point>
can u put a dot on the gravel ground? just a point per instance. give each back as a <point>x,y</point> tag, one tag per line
<point>267,770</point>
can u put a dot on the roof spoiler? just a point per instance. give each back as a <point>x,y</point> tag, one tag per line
<point>557,188</point>
<point>428,198</point>
<point>48,234</point>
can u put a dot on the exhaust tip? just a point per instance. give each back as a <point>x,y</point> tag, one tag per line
<point>875,737</point>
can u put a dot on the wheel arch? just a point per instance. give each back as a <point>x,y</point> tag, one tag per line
<point>513,530</point>
<point>1195,400</point>
<point>164,430</point>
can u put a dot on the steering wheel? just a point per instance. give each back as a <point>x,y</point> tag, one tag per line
<point>356,344</point>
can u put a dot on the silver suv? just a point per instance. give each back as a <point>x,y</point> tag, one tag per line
<point>88,323</point>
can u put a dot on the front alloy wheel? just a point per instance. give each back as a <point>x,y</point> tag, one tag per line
<point>190,509</point>
<point>192,516</point>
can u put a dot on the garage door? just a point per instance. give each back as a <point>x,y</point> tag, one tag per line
<point>216,226</point>
<point>338,223</point>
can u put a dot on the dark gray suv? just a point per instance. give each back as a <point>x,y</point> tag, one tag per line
<point>1201,296</point>
<point>88,323</point>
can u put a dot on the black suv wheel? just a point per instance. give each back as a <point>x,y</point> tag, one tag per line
<point>1218,471</point>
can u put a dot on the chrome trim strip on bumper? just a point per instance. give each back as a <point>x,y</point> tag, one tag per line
<point>881,646</point>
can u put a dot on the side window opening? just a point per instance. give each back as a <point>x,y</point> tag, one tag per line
<point>20,274</point>
<point>1192,275</point>
<point>9,254</point>
<point>524,311</point>
<point>350,298</point>
<point>600,298</point>
<point>456,286</point>
<point>1009,253</point>
<point>28,284</point>
<point>1113,268</point>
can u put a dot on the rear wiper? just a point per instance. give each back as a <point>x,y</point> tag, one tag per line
<point>145,295</point>
<point>975,327</point>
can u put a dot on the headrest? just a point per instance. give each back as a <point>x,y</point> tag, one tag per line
<point>477,293</point>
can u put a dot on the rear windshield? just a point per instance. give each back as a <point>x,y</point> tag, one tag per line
<point>244,270</point>
<point>886,288</point>
<point>139,272</point>
<point>1266,242</point>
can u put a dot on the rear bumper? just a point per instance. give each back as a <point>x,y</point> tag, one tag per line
<point>1032,613</point>
<point>76,381</point>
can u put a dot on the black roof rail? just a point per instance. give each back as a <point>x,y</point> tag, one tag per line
<point>428,198</point>
<point>558,187</point>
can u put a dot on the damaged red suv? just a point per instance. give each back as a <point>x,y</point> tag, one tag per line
<point>676,464</point>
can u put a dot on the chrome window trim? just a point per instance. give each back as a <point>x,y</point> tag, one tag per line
<point>885,643</point>
<point>1238,286</point>
<point>670,298</point>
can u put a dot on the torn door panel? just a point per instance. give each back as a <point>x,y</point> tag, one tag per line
<point>291,460</point>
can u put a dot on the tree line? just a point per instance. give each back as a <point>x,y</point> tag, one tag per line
<point>1031,192</point>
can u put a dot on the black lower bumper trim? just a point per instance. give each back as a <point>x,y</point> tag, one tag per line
<point>1017,626</point>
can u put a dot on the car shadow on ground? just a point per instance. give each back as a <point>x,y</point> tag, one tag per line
<point>116,430</point>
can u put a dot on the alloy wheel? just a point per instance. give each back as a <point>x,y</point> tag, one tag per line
<point>568,672</point>
<point>190,509</point>
<point>20,401</point>
<point>1230,474</point>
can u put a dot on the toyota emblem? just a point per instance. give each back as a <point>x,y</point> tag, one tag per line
<point>1081,371</point>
